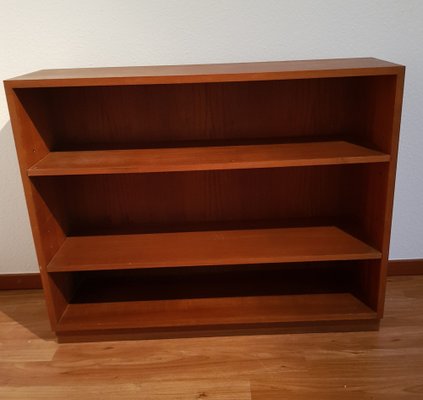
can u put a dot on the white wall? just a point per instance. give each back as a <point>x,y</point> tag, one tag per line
<point>85,33</point>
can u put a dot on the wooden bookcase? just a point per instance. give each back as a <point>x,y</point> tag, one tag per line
<point>210,199</point>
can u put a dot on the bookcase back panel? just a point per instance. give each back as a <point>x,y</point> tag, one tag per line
<point>132,203</point>
<point>214,281</point>
<point>119,117</point>
<point>366,200</point>
<point>163,201</point>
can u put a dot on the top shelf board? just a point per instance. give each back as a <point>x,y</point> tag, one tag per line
<point>204,158</point>
<point>173,74</point>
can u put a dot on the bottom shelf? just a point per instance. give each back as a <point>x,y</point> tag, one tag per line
<point>209,299</point>
<point>212,313</point>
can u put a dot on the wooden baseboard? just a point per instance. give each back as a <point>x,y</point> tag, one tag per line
<point>33,281</point>
<point>20,281</point>
<point>405,267</point>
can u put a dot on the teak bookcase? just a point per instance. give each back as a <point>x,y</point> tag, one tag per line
<point>210,199</point>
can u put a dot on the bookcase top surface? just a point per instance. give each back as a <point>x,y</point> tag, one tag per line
<point>235,72</point>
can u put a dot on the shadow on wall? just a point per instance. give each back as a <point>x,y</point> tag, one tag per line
<point>8,161</point>
<point>5,134</point>
<point>7,129</point>
<point>16,245</point>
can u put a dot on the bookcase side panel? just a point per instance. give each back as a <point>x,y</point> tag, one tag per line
<point>369,194</point>
<point>48,235</point>
<point>393,135</point>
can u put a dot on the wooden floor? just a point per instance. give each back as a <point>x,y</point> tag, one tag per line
<point>371,365</point>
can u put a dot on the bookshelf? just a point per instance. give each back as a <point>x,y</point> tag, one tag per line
<point>210,199</point>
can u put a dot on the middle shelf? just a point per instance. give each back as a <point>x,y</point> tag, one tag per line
<point>205,158</point>
<point>201,248</point>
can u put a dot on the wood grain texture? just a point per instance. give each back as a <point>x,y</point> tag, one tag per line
<point>91,214</point>
<point>33,280</point>
<point>207,73</point>
<point>143,116</point>
<point>84,253</point>
<point>204,158</point>
<point>161,202</point>
<point>394,126</point>
<point>46,230</point>
<point>224,313</point>
<point>382,365</point>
